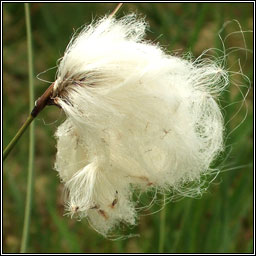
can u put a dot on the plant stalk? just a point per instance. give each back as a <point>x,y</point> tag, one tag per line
<point>40,104</point>
<point>29,195</point>
<point>115,10</point>
<point>13,142</point>
<point>162,227</point>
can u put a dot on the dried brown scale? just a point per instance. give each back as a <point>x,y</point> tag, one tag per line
<point>103,214</point>
<point>114,201</point>
<point>94,207</point>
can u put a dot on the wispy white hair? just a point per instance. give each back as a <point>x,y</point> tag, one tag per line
<point>137,118</point>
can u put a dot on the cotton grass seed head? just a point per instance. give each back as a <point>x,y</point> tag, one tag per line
<point>137,119</point>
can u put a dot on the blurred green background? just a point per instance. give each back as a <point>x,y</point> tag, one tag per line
<point>220,221</point>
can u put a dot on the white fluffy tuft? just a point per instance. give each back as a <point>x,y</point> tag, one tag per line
<point>137,118</point>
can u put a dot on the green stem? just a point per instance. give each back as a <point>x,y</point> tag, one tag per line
<point>17,136</point>
<point>25,233</point>
<point>162,228</point>
<point>39,106</point>
<point>43,100</point>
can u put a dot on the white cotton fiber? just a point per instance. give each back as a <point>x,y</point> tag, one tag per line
<point>137,118</point>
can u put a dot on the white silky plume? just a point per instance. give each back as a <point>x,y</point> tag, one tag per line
<point>137,118</point>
